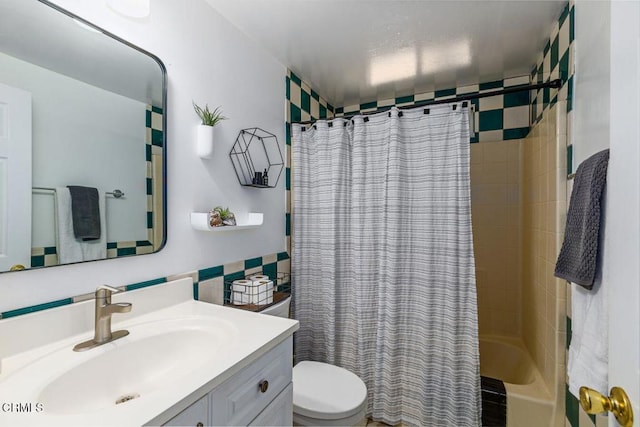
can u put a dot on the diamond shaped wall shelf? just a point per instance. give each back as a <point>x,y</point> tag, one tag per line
<point>257,158</point>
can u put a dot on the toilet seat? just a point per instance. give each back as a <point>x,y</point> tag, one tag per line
<point>326,392</point>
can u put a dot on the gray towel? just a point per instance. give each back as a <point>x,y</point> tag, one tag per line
<point>577,260</point>
<point>85,212</point>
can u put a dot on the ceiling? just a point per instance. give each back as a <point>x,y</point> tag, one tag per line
<point>36,33</point>
<point>354,51</point>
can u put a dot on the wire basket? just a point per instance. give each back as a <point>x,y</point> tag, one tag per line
<point>257,291</point>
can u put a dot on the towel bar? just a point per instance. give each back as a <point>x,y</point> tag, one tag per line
<point>115,193</point>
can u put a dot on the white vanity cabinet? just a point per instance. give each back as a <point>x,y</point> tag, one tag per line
<point>259,394</point>
<point>196,415</point>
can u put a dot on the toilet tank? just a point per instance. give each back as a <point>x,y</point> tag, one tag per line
<point>280,309</point>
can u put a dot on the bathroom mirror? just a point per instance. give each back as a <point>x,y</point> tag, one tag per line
<point>78,107</point>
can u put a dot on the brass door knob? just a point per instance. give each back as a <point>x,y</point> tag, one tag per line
<point>617,403</point>
<point>264,385</point>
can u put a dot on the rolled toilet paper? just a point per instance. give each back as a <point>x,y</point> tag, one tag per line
<point>258,277</point>
<point>263,292</point>
<point>241,292</point>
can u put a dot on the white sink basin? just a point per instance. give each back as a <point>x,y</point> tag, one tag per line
<point>132,368</point>
<point>151,358</point>
<point>177,350</point>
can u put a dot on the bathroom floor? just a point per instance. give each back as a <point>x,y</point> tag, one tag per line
<point>371,423</point>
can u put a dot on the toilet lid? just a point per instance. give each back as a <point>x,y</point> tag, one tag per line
<point>325,391</point>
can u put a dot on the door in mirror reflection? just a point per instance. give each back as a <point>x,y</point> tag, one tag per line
<point>15,177</point>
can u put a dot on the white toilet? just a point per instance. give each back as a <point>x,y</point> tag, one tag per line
<point>323,394</point>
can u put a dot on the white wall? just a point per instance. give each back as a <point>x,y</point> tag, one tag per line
<point>592,76</point>
<point>72,120</point>
<point>208,60</point>
<point>622,252</point>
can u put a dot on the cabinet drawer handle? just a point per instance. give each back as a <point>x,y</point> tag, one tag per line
<point>264,385</point>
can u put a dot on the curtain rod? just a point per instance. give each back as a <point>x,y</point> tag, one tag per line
<point>553,84</point>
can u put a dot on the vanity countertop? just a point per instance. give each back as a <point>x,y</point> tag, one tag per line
<point>199,345</point>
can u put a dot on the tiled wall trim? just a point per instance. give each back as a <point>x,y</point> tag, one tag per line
<point>301,104</point>
<point>208,282</point>
<point>497,118</point>
<point>555,62</point>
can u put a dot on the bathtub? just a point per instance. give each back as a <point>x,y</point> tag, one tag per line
<point>529,403</point>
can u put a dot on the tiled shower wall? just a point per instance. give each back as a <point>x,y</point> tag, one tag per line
<point>543,216</point>
<point>497,118</point>
<point>496,212</point>
<point>500,122</point>
<point>557,61</point>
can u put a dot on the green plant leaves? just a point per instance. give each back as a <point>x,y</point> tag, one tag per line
<point>224,212</point>
<point>208,117</point>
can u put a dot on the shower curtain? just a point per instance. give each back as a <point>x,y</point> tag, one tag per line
<point>382,263</point>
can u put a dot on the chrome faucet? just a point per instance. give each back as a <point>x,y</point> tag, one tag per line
<point>104,310</point>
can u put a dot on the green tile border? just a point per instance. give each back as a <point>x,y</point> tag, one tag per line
<point>296,79</point>
<point>445,93</point>
<point>210,273</point>
<point>572,408</point>
<point>270,269</point>
<point>484,122</point>
<point>34,308</point>
<point>145,284</point>
<point>252,263</point>
<point>491,120</point>
<point>498,84</point>
<point>558,56</point>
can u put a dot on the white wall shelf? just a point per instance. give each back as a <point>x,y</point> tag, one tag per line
<point>200,221</point>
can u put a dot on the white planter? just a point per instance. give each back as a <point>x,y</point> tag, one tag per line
<point>204,142</point>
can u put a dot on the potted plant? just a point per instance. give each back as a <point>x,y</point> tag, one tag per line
<point>220,216</point>
<point>209,120</point>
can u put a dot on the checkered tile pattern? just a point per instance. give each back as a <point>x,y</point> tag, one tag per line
<point>497,118</point>
<point>208,283</point>
<point>154,141</point>
<point>213,282</point>
<point>302,104</point>
<point>47,256</point>
<point>44,257</point>
<point>555,62</point>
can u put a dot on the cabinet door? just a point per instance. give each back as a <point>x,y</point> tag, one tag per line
<point>242,397</point>
<point>279,412</point>
<point>195,415</point>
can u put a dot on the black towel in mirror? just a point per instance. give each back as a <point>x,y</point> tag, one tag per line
<point>85,212</point>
